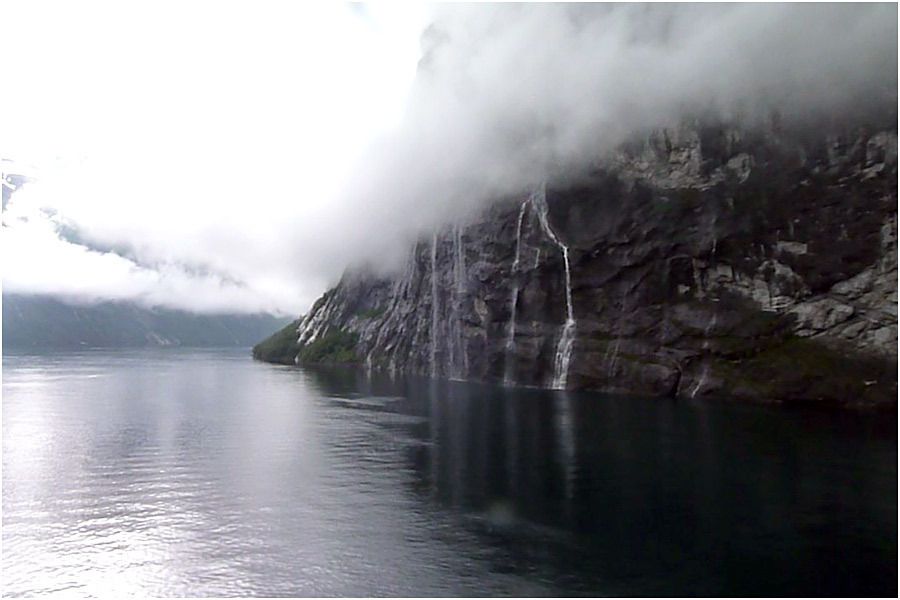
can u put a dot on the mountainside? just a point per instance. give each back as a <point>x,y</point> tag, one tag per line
<point>702,260</point>
<point>45,322</point>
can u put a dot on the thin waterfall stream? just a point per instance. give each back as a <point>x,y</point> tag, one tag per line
<point>566,342</point>
<point>514,298</point>
<point>458,358</point>
<point>434,306</point>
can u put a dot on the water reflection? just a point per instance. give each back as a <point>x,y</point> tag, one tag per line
<point>203,473</point>
<point>660,496</point>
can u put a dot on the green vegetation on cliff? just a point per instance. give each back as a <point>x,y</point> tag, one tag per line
<point>335,347</point>
<point>805,370</point>
<point>280,347</point>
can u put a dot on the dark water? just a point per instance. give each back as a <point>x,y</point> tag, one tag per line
<point>204,473</point>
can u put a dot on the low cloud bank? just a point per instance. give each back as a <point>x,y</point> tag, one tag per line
<point>509,95</point>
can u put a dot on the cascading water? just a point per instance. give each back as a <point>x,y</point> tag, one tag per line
<point>458,359</point>
<point>434,306</point>
<point>612,352</point>
<point>314,324</point>
<point>567,337</point>
<point>704,374</point>
<point>514,298</point>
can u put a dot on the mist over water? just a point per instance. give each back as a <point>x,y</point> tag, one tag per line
<point>203,473</point>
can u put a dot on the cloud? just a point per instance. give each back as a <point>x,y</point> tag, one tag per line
<point>201,134</point>
<point>34,245</point>
<point>246,157</point>
<point>509,95</point>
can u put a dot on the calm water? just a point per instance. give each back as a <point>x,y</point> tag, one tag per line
<point>204,473</point>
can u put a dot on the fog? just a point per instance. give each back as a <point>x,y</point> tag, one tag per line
<point>508,96</point>
<point>295,143</point>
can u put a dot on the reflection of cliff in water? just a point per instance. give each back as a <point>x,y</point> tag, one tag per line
<point>506,454</point>
<point>689,492</point>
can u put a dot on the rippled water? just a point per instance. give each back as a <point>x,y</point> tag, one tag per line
<point>205,473</point>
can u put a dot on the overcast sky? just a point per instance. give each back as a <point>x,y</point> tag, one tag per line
<point>204,137</point>
<point>238,155</point>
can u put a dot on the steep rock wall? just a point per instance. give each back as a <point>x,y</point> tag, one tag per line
<point>705,260</point>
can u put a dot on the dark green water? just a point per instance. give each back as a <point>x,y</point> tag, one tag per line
<point>205,473</point>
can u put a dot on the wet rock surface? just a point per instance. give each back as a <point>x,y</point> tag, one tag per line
<point>705,261</point>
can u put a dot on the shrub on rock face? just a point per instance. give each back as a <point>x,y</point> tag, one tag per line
<point>335,347</point>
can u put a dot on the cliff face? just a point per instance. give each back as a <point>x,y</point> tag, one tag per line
<point>698,261</point>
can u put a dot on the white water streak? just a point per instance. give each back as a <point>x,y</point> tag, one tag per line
<point>514,298</point>
<point>611,371</point>
<point>567,338</point>
<point>704,374</point>
<point>458,358</point>
<point>434,306</point>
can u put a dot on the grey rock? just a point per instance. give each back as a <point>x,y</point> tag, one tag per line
<point>706,260</point>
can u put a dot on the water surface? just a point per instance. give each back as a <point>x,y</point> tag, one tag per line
<point>179,472</point>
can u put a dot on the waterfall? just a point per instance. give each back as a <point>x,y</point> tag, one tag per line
<point>611,372</point>
<point>614,348</point>
<point>567,337</point>
<point>704,374</point>
<point>460,261</point>
<point>563,355</point>
<point>434,306</point>
<point>514,298</point>
<point>458,359</point>
<point>315,322</point>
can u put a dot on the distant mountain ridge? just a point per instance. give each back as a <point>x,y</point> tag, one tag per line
<point>47,322</point>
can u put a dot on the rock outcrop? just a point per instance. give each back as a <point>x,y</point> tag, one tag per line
<point>706,260</point>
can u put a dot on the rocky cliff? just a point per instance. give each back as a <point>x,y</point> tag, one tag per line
<point>702,260</point>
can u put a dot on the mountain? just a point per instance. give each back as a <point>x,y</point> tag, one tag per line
<point>40,322</point>
<point>707,259</point>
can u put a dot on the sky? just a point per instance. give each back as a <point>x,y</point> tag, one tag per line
<point>203,137</point>
<point>239,156</point>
